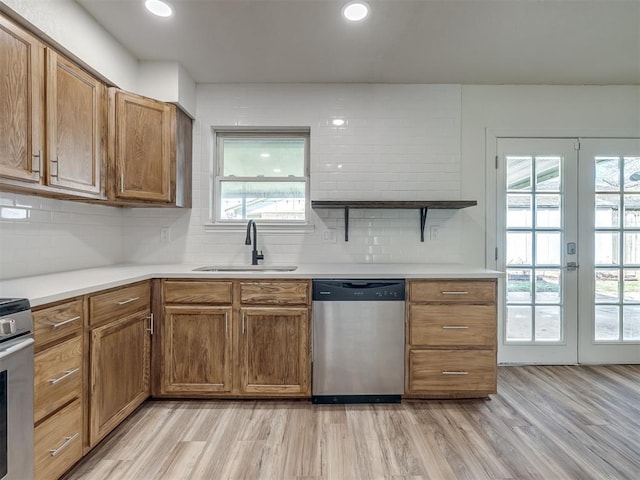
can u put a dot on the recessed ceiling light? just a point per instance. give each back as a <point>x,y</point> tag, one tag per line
<point>355,11</point>
<point>265,155</point>
<point>159,8</point>
<point>338,122</point>
<point>277,170</point>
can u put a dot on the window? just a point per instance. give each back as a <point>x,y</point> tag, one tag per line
<point>261,175</point>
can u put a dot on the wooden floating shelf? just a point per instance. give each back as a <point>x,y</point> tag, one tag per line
<point>422,205</point>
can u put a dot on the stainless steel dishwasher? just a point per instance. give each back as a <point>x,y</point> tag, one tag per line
<point>358,340</point>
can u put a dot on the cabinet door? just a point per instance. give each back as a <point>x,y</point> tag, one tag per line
<point>143,146</point>
<point>119,372</point>
<point>76,113</point>
<point>196,350</point>
<point>275,351</point>
<point>21,103</point>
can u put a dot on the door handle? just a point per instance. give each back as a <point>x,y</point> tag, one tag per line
<point>572,266</point>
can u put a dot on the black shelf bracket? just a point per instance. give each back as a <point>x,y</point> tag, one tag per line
<point>423,221</point>
<point>346,224</point>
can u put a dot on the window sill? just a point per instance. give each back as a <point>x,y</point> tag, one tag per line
<point>263,228</point>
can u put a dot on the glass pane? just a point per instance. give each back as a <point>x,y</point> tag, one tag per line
<point>632,210</point>
<point>518,210</point>
<point>548,324</point>
<point>252,157</point>
<point>519,286</point>
<point>548,286</point>
<point>608,211</point>
<point>519,248</point>
<point>548,211</point>
<point>607,325</point>
<point>548,174</point>
<point>607,174</point>
<point>607,285</point>
<point>262,200</point>
<point>607,248</point>
<point>631,174</point>
<point>519,173</point>
<point>631,285</point>
<point>631,322</point>
<point>548,248</point>
<point>631,248</point>
<point>518,324</point>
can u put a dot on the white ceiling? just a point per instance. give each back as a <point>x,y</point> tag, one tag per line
<point>404,41</point>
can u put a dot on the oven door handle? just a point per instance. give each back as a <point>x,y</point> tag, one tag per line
<point>18,346</point>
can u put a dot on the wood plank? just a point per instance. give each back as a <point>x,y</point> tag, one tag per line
<point>544,423</point>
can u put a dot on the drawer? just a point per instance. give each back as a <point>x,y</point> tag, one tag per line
<point>274,293</point>
<point>452,371</point>
<point>452,325</point>
<point>58,321</point>
<point>57,376</point>
<point>453,291</point>
<point>115,304</point>
<point>58,442</point>
<point>198,292</point>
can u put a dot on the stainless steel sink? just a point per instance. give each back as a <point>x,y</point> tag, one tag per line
<point>246,268</point>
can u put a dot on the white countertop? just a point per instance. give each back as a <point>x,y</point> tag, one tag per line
<point>42,289</point>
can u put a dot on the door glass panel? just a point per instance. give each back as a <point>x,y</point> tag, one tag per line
<point>608,211</point>
<point>548,211</point>
<point>519,173</point>
<point>534,293</point>
<point>548,323</point>
<point>607,285</point>
<point>548,174</point>
<point>632,247</point>
<point>519,248</point>
<point>607,174</point>
<point>519,210</point>
<point>519,285</point>
<point>631,285</point>
<point>548,248</point>
<point>631,174</point>
<point>607,248</point>
<point>607,324</point>
<point>519,323</point>
<point>548,286</point>
<point>632,211</point>
<point>631,323</point>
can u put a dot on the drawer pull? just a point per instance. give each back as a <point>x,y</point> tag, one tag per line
<point>60,324</point>
<point>455,327</point>
<point>129,300</point>
<point>66,443</point>
<point>68,373</point>
<point>459,372</point>
<point>455,293</point>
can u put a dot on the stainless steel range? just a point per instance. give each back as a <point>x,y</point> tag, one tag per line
<point>16,389</point>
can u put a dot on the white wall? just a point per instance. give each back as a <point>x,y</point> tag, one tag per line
<point>400,142</point>
<point>41,235</point>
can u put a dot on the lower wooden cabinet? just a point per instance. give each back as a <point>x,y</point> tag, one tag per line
<point>196,350</point>
<point>58,442</point>
<point>119,376</point>
<point>275,351</point>
<point>232,338</point>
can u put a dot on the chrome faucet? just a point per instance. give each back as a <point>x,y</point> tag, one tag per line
<point>255,256</point>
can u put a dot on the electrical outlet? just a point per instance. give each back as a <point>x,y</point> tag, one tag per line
<point>329,235</point>
<point>165,235</point>
<point>434,232</point>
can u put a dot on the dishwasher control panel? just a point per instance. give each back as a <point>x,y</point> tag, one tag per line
<point>358,290</point>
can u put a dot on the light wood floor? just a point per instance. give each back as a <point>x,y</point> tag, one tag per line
<point>544,423</point>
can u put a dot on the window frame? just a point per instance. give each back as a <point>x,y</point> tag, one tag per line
<point>220,134</point>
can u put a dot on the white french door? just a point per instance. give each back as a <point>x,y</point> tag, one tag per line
<point>610,251</point>
<point>537,219</point>
<point>568,230</point>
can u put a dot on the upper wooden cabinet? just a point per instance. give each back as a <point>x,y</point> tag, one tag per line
<point>53,148</point>
<point>149,150</point>
<point>21,105</point>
